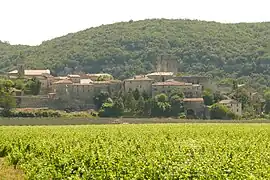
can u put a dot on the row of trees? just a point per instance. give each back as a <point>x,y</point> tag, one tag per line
<point>29,86</point>
<point>139,104</point>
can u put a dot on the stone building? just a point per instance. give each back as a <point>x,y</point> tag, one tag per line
<point>112,86</point>
<point>167,87</point>
<point>74,78</point>
<point>165,63</point>
<point>195,108</point>
<point>62,88</point>
<point>44,76</point>
<point>142,83</point>
<point>233,105</point>
<point>203,80</point>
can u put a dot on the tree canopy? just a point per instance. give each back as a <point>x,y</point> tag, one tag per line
<point>239,51</point>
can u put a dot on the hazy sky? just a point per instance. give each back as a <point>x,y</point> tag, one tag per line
<point>32,21</point>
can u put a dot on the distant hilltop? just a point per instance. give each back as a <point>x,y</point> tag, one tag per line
<point>238,51</point>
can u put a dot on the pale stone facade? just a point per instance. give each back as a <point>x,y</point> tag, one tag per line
<point>188,89</point>
<point>142,83</point>
<point>233,105</point>
<point>202,80</point>
<point>195,108</point>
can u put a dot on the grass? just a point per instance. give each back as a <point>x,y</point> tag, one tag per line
<point>9,172</point>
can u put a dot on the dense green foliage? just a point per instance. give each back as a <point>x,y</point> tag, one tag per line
<point>205,151</point>
<point>7,101</point>
<point>127,48</point>
<point>134,103</point>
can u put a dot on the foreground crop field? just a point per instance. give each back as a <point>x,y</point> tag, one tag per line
<point>172,151</point>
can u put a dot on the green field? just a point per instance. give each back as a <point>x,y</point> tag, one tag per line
<point>157,151</point>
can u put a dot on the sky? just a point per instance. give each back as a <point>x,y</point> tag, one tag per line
<point>32,21</point>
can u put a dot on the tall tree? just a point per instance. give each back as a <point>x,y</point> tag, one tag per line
<point>208,97</point>
<point>33,86</point>
<point>130,102</point>
<point>100,98</point>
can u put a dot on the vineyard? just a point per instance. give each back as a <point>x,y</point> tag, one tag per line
<point>157,151</point>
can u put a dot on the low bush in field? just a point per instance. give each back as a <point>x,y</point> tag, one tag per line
<point>32,113</point>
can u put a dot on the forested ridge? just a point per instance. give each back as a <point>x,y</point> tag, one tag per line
<point>123,49</point>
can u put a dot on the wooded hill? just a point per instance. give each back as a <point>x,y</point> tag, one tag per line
<point>123,49</point>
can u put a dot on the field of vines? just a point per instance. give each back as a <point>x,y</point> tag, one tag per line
<point>157,151</point>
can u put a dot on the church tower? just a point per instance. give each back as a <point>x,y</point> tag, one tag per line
<point>20,66</point>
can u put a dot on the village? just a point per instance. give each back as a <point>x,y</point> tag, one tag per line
<point>80,88</point>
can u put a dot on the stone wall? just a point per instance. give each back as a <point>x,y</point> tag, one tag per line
<point>32,101</point>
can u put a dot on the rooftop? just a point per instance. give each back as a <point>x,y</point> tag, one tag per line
<point>74,76</point>
<point>172,83</point>
<point>32,72</point>
<point>101,82</point>
<point>228,101</point>
<point>60,77</point>
<point>139,78</point>
<point>160,74</point>
<point>64,81</point>
<point>193,100</point>
<point>85,81</point>
<point>99,74</point>
<point>79,84</point>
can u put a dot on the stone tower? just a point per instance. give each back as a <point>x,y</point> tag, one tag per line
<point>166,63</point>
<point>20,66</point>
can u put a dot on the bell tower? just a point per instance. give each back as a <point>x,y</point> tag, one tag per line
<point>20,66</point>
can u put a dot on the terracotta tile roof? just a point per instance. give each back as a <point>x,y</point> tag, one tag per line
<point>193,100</point>
<point>33,72</point>
<point>63,81</point>
<point>172,83</point>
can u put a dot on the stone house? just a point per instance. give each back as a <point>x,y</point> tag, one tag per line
<point>167,87</point>
<point>202,80</point>
<point>44,76</point>
<point>62,88</point>
<point>142,83</point>
<point>233,105</point>
<point>195,108</point>
<point>84,92</point>
<point>112,86</point>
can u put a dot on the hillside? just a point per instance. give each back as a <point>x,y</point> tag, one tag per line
<point>123,49</point>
